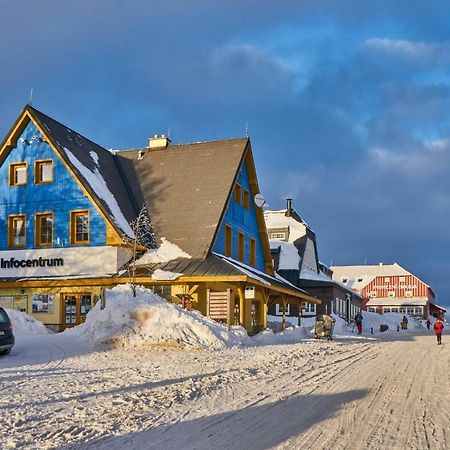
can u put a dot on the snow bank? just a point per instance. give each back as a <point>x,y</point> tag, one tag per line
<point>147,319</point>
<point>289,336</point>
<point>23,324</point>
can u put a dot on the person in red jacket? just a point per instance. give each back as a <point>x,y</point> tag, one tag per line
<point>438,326</point>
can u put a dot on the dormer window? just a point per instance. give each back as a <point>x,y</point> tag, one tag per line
<point>18,174</point>
<point>344,280</point>
<point>43,172</point>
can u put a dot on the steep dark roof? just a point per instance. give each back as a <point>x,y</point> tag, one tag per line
<point>84,150</point>
<point>185,188</point>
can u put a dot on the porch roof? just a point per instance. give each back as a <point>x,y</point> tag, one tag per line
<point>220,268</point>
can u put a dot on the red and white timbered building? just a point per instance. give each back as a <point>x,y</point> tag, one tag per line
<point>390,288</point>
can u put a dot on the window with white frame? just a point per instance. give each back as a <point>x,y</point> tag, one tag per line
<point>308,308</point>
<point>418,310</point>
<point>408,293</point>
<point>394,309</point>
<point>371,309</point>
<point>410,310</point>
<point>401,279</point>
<point>402,310</point>
<point>279,309</point>
<point>386,309</point>
<point>391,294</point>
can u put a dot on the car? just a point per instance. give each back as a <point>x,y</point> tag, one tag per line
<point>7,339</point>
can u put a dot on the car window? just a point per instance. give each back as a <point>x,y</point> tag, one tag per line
<point>3,317</point>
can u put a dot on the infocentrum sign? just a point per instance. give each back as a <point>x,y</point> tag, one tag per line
<point>63,262</point>
<point>13,263</point>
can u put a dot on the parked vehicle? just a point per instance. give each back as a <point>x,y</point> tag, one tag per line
<point>7,339</point>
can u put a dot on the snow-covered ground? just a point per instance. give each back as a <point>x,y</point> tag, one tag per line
<point>132,385</point>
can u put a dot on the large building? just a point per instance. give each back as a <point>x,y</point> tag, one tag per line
<point>295,257</point>
<point>390,288</point>
<point>67,206</point>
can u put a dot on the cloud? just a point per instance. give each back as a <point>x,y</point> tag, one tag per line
<point>415,52</point>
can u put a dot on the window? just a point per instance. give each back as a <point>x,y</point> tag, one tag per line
<point>241,242</point>
<point>402,279</point>
<point>79,224</point>
<point>402,310</point>
<point>228,242</point>
<point>394,310</point>
<point>372,309</point>
<point>237,194</point>
<point>408,293</point>
<point>418,310</point>
<point>18,174</point>
<point>344,280</point>
<point>387,279</point>
<point>386,309</point>
<point>253,252</point>
<point>391,294</point>
<point>373,294</point>
<point>359,280</point>
<point>308,308</point>
<point>43,172</point>
<point>44,229</point>
<point>409,310</point>
<point>17,231</point>
<point>246,199</point>
<point>278,236</point>
<point>279,309</point>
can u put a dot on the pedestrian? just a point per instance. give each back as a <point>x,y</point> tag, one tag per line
<point>404,323</point>
<point>428,324</point>
<point>358,321</point>
<point>438,326</point>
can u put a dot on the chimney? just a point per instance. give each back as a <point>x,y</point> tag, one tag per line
<point>289,207</point>
<point>158,142</point>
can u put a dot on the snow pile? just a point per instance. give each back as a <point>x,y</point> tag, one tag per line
<point>165,253</point>
<point>289,336</point>
<point>23,324</point>
<point>147,319</point>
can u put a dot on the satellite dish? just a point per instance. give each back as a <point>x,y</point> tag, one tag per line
<point>259,200</point>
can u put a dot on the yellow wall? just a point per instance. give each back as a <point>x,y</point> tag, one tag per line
<point>54,318</point>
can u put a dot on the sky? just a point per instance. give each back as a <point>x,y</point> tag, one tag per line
<point>347,104</point>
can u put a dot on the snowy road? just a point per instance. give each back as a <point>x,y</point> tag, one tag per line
<point>353,394</point>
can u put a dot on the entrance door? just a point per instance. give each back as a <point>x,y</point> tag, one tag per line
<point>75,308</point>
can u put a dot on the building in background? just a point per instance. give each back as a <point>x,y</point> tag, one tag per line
<point>67,206</point>
<point>294,254</point>
<point>390,288</point>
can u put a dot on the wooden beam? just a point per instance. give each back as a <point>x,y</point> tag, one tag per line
<point>241,293</point>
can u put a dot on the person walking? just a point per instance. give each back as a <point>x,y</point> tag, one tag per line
<point>404,323</point>
<point>438,327</point>
<point>428,323</point>
<point>358,321</point>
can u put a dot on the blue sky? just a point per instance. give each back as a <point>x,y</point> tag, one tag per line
<point>347,105</point>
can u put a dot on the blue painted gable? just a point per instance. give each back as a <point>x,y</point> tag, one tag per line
<point>241,220</point>
<point>60,197</point>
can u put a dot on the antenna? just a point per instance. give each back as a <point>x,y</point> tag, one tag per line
<point>246,128</point>
<point>168,132</point>
<point>31,96</point>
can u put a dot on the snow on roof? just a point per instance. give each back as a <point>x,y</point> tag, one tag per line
<point>307,274</point>
<point>164,253</point>
<point>358,277</point>
<point>398,302</point>
<point>161,275</point>
<point>278,219</point>
<point>289,257</point>
<point>98,184</point>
